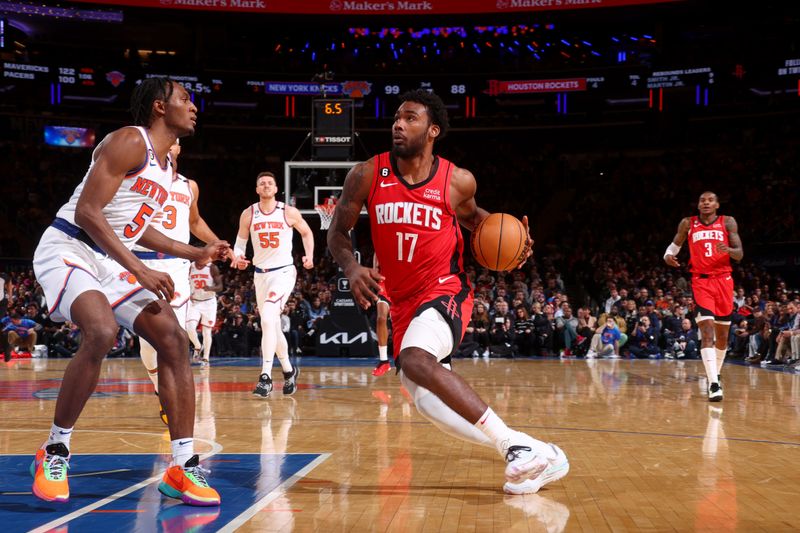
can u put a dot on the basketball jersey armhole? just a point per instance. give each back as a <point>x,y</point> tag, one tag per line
<point>446,189</point>
<point>147,147</point>
<point>282,205</point>
<point>375,171</point>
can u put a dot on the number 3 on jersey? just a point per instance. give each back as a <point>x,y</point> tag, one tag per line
<point>709,249</point>
<point>269,239</point>
<point>139,221</point>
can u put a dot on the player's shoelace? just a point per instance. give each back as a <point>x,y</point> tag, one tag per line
<point>56,466</point>
<point>514,452</point>
<point>197,474</point>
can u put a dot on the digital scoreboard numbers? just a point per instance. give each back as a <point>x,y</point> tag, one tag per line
<point>332,122</point>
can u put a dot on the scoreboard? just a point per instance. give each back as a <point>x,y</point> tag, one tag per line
<point>332,122</point>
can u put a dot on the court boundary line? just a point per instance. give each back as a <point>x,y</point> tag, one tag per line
<point>251,511</point>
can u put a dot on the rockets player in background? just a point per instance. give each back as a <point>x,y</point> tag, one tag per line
<point>713,242</point>
<point>179,219</point>
<point>416,202</point>
<point>270,225</point>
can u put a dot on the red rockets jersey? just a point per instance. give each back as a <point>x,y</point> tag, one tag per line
<point>415,232</point>
<point>703,255</point>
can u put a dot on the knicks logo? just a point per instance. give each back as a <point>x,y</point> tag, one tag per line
<point>127,276</point>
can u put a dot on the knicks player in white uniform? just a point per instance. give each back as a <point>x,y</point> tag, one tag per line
<point>269,224</point>
<point>179,219</point>
<point>205,283</point>
<point>90,277</point>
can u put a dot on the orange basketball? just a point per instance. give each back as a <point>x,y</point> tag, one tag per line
<point>498,243</point>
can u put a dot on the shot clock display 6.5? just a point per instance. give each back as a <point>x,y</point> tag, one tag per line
<point>332,122</point>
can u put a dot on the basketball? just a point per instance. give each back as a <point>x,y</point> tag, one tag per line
<point>498,243</point>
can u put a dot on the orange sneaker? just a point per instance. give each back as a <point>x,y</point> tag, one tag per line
<point>382,368</point>
<point>188,484</point>
<point>49,471</point>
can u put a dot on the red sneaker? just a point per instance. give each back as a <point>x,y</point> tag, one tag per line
<point>382,368</point>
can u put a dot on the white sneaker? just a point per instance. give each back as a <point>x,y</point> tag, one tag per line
<point>591,354</point>
<point>556,469</point>
<point>522,462</point>
<point>715,393</point>
<point>613,356</point>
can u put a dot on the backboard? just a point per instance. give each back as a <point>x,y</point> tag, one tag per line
<point>308,183</point>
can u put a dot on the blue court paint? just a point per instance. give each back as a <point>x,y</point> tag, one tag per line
<point>241,479</point>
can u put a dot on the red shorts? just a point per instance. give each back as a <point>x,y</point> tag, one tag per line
<point>382,296</point>
<point>453,301</point>
<point>713,296</point>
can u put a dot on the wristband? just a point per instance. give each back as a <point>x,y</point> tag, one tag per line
<point>673,250</point>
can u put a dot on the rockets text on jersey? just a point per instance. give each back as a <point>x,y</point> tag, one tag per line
<point>703,240</point>
<point>271,235</point>
<point>140,196</point>
<point>416,236</point>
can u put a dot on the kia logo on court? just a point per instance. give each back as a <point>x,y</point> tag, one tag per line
<point>344,284</point>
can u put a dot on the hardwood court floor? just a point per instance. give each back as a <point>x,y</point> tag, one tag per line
<point>647,451</point>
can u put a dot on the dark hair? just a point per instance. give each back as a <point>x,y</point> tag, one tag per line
<point>147,92</point>
<point>437,112</point>
<point>266,173</point>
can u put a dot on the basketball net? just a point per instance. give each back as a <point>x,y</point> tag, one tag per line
<point>325,212</point>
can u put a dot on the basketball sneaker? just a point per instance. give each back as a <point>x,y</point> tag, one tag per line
<point>263,387</point>
<point>557,468</point>
<point>188,484</point>
<point>49,471</point>
<point>715,393</point>
<point>290,381</point>
<point>522,462</point>
<point>381,368</point>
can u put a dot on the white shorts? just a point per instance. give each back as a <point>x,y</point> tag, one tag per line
<point>202,311</point>
<point>178,270</point>
<point>430,332</point>
<point>275,286</point>
<point>65,267</point>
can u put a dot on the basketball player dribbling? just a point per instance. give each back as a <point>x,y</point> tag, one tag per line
<point>90,277</point>
<point>416,202</point>
<point>179,219</point>
<point>382,307</point>
<point>713,242</point>
<point>270,224</point>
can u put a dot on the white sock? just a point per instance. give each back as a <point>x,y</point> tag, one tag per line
<point>282,351</point>
<point>59,434</point>
<point>191,329</point>
<point>206,341</point>
<point>269,337</point>
<point>709,356</point>
<point>382,353</point>
<point>150,361</point>
<point>437,412</point>
<point>720,358</point>
<point>182,450</point>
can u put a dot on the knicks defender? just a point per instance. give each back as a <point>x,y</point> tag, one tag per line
<point>713,242</point>
<point>206,282</point>
<point>416,202</point>
<point>270,225</point>
<point>90,277</point>
<point>179,219</point>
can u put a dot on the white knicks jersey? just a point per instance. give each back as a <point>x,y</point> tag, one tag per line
<point>139,197</point>
<point>271,236</point>
<point>199,279</point>
<point>173,220</point>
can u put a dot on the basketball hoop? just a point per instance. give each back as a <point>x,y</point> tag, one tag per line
<point>325,212</point>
